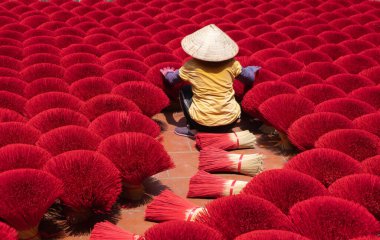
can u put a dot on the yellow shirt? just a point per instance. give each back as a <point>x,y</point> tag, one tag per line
<point>213,102</point>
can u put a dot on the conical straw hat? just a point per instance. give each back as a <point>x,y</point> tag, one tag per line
<point>210,44</point>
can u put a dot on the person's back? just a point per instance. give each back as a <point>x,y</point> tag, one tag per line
<point>209,103</point>
<point>213,102</point>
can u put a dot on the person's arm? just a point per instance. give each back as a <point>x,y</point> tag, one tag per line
<point>171,75</point>
<point>248,74</point>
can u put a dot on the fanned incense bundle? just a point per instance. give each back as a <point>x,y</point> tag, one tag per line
<point>284,187</point>
<point>7,115</point>
<point>90,87</point>
<point>300,79</point>
<point>318,93</point>
<point>349,82</point>
<point>182,230</point>
<point>226,141</point>
<point>92,185</point>
<point>206,185</point>
<point>100,104</point>
<point>49,100</point>
<point>239,214</point>
<point>372,73</point>
<point>14,156</point>
<point>306,130</point>
<point>109,231</point>
<point>372,165</point>
<point>370,237</point>
<point>168,206</point>
<point>369,122</point>
<point>261,92</point>
<point>271,235</point>
<point>37,58</point>
<point>282,110</point>
<point>44,85</point>
<point>115,122</point>
<point>356,143</point>
<point>12,84</point>
<point>17,132</point>
<point>332,218</point>
<point>82,70</point>
<point>57,117</point>
<point>326,165</point>
<point>171,230</point>
<point>41,70</point>
<point>138,156</point>
<point>12,101</point>
<point>216,160</point>
<point>68,138</point>
<point>370,95</point>
<point>361,188</point>
<point>25,196</point>
<point>148,97</point>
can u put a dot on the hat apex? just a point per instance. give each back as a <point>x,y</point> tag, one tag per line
<point>211,44</point>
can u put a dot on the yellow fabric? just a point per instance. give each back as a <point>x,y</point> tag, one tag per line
<point>213,103</point>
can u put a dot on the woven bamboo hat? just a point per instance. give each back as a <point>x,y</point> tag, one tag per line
<point>210,44</point>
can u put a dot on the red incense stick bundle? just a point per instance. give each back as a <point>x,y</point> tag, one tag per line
<point>57,117</point>
<point>360,188</point>
<point>356,143</point>
<point>370,237</point>
<point>68,138</point>
<point>284,187</point>
<point>372,165</point>
<point>109,231</point>
<point>325,165</point>
<point>138,156</point>
<point>206,185</point>
<point>167,206</point>
<point>14,156</point>
<point>239,214</point>
<point>217,160</point>
<point>104,103</point>
<point>226,141</point>
<point>329,217</point>
<point>148,97</point>
<point>115,122</point>
<point>25,196</point>
<point>174,230</point>
<point>271,235</point>
<point>8,115</point>
<point>92,186</point>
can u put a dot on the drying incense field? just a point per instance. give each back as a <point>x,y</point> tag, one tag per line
<point>87,148</point>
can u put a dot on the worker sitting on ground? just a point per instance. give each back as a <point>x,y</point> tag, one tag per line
<point>208,103</point>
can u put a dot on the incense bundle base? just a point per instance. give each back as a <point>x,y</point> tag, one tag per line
<point>80,221</point>
<point>266,129</point>
<point>217,160</point>
<point>29,234</point>
<point>284,143</point>
<point>133,192</point>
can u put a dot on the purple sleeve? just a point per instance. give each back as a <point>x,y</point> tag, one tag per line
<point>248,74</point>
<point>172,77</point>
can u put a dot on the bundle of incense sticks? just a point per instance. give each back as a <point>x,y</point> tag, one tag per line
<point>226,141</point>
<point>207,185</point>
<point>168,206</point>
<point>217,160</point>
